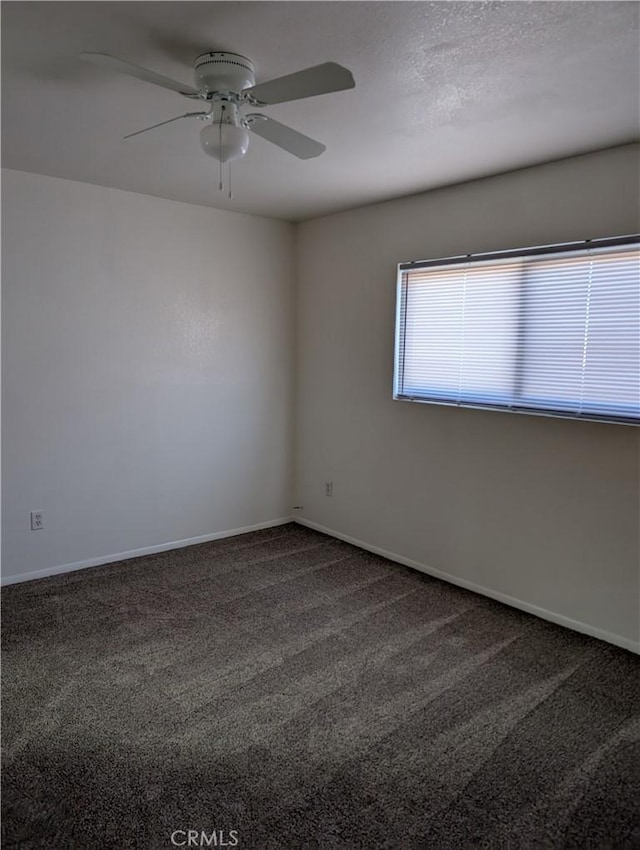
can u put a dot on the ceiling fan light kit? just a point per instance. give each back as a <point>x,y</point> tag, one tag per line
<point>226,81</point>
<point>226,138</point>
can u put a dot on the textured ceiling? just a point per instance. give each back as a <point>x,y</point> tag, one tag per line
<point>445,92</point>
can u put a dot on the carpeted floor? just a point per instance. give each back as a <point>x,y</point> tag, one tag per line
<point>286,690</point>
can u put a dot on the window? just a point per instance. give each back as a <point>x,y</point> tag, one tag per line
<point>553,331</point>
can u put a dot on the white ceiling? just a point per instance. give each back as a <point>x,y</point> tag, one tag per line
<point>445,92</point>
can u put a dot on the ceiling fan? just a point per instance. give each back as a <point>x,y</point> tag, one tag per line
<point>226,82</point>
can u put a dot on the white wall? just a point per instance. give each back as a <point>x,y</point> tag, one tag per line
<point>147,372</point>
<point>542,510</point>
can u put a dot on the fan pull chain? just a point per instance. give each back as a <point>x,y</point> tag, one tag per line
<point>220,149</point>
<point>230,195</point>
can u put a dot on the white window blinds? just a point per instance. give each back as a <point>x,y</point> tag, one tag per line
<point>551,330</point>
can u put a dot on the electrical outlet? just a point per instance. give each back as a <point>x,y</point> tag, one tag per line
<point>37,520</point>
<point>328,488</point>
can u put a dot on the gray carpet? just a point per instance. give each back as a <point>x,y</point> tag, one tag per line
<point>285,690</point>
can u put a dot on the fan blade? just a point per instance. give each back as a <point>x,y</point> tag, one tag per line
<point>162,123</point>
<point>284,137</point>
<point>122,67</point>
<point>320,79</point>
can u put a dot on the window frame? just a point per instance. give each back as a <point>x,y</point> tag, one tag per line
<point>470,259</point>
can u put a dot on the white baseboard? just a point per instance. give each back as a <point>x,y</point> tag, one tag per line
<point>136,553</point>
<point>543,613</point>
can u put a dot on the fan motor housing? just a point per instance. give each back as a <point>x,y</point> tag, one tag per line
<point>223,72</point>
